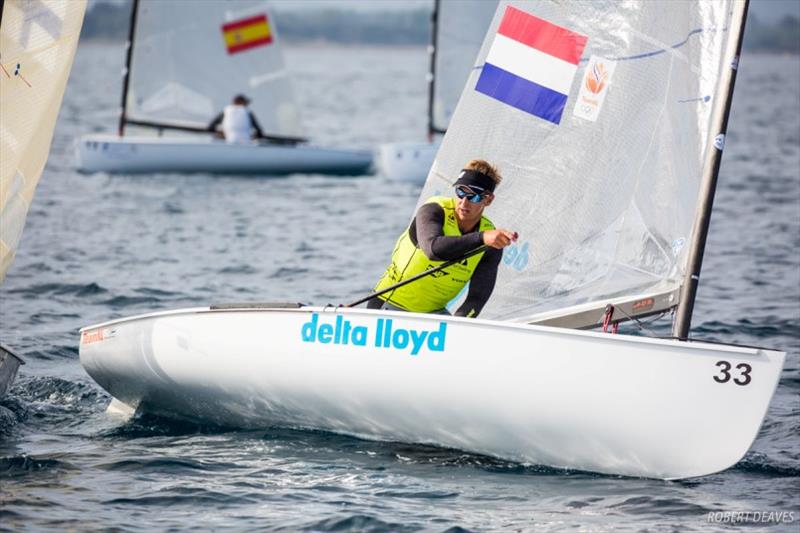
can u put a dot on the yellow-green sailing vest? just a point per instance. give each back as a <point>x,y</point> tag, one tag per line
<point>432,292</point>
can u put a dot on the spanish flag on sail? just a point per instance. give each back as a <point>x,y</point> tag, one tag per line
<point>244,34</point>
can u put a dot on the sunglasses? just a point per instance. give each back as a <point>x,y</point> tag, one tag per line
<point>471,196</point>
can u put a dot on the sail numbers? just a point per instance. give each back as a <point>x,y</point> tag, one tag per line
<point>724,376</point>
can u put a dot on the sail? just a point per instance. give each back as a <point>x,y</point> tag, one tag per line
<point>191,57</point>
<point>597,114</point>
<point>37,46</point>
<point>460,28</point>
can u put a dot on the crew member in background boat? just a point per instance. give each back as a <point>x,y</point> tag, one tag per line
<point>239,124</point>
<point>444,229</point>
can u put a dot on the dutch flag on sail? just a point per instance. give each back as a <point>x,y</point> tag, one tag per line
<point>531,64</point>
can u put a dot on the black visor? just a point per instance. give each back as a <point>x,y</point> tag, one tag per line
<point>476,180</point>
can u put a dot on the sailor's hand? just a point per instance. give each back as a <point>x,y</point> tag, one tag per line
<point>499,238</point>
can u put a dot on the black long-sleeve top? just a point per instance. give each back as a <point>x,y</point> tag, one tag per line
<point>426,231</point>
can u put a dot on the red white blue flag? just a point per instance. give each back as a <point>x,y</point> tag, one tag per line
<point>531,64</point>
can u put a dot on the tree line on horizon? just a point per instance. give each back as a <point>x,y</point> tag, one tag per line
<point>109,21</point>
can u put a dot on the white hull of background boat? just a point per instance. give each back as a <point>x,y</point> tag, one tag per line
<point>582,400</point>
<point>409,162</point>
<point>108,153</point>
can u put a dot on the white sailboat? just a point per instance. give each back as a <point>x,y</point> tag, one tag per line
<point>37,46</point>
<point>185,61</point>
<point>604,188</point>
<point>457,30</point>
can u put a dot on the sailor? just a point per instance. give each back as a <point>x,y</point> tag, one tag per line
<point>239,124</point>
<point>444,229</point>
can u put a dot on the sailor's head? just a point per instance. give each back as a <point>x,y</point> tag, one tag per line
<point>475,188</point>
<point>240,99</point>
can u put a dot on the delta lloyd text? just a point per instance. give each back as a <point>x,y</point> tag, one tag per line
<point>386,335</point>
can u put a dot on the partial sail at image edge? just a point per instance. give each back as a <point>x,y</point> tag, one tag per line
<point>37,47</point>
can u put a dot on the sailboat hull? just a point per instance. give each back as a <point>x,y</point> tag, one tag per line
<point>581,400</point>
<point>409,162</point>
<point>107,153</point>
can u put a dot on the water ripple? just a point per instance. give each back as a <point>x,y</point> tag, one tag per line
<point>357,522</point>
<point>60,289</point>
<point>24,465</point>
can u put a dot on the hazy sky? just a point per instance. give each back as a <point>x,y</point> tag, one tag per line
<point>766,10</point>
<point>772,9</point>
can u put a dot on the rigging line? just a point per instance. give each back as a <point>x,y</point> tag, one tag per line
<point>645,55</point>
<point>656,318</point>
<point>638,322</point>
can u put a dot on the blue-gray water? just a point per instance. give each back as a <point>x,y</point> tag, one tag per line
<point>98,247</point>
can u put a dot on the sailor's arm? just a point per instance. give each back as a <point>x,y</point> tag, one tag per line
<point>482,284</point>
<point>256,125</point>
<point>212,126</point>
<point>428,224</point>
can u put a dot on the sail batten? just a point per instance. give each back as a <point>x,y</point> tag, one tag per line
<point>601,179</point>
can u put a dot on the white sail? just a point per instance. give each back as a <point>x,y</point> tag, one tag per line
<point>191,57</point>
<point>602,166</point>
<point>37,46</point>
<point>461,27</point>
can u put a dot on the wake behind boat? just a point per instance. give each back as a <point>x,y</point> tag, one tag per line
<point>185,62</point>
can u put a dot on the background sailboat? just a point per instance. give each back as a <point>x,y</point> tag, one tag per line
<point>185,61</point>
<point>615,404</point>
<point>457,30</point>
<point>37,47</point>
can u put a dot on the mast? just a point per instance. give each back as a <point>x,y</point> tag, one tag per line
<point>432,69</point>
<point>708,186</point>
<point>127,72</point>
